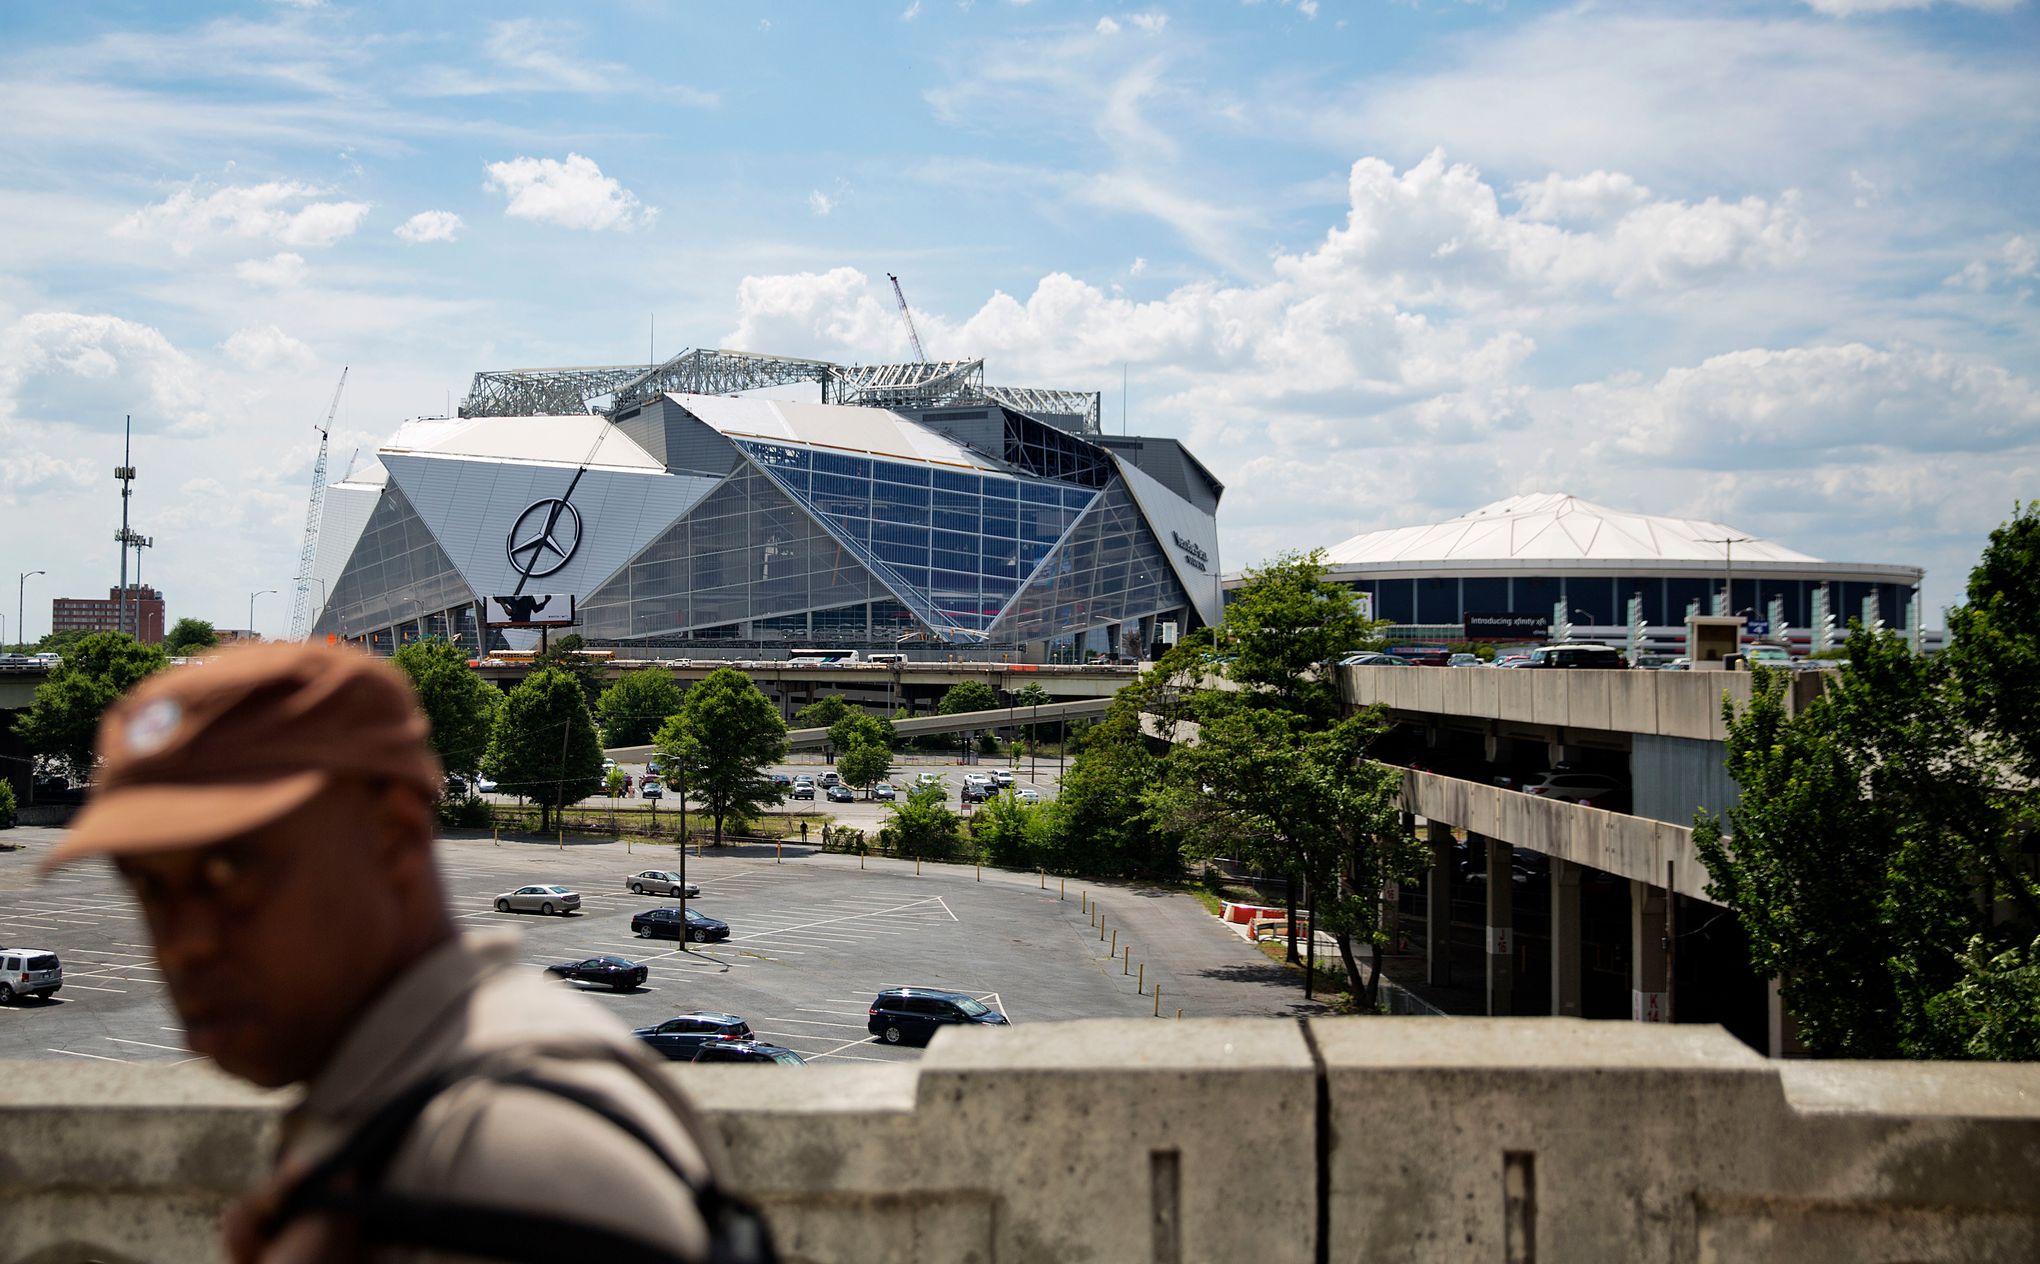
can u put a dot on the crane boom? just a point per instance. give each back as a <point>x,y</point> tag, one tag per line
<point>308,552</point>
<point>907,316</point>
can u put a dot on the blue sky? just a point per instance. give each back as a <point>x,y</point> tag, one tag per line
<point>1378,263</point>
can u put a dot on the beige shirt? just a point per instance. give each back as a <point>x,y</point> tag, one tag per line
<point>507,1145</point>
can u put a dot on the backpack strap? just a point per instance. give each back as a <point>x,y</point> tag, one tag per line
<point>348,1182</point>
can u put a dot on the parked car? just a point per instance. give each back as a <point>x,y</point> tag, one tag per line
<point>1002,777</point>
<point>1578,787</point>
<point>1371,658</point>
<point>660,882</point>
<point>1027,794</point>
<point>911,1014</point>
<point>539,899</point>
<point>609,972</point>
<point>802,790</point>
<point>978,791</point>
<point>1465,660</point>
<point>680,1036</point>
<point>29,972</point>
<point>484,785</point>
<point>977,779</point>
<point>840,793</point>
<point>746,1051</point>
<point>783,781</point>
<point>651,790</point>
<point>664,923</point>
<point>884,791</point>
<point>1767,654</point>
<point>829,779</point>
<point>928,779</point>
<point>1576,654</point>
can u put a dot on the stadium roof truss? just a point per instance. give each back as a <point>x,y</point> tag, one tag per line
<point>608,389</point>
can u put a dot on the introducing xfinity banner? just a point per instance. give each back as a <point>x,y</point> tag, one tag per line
<point>1490,627</point>
<point>529,610</point>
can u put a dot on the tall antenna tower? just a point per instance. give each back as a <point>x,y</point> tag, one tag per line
<point>907,316</point>
<point>301,603</point>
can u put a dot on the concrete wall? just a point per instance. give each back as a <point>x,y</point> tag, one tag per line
<point>1670,704</point>
<point>1411,1139</point>
<point>1675,776</point>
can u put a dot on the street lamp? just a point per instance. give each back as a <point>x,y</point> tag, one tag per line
<point>20,628</point>
<point>251,607</point>
<point>1728,544</point>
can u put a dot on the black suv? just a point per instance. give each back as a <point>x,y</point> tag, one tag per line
<point>746,1051</point>
<point>679,1038</point>
<point>909,1014</point>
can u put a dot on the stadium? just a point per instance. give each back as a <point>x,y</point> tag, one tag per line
<point>899,507</point>
<point>1549,564</point>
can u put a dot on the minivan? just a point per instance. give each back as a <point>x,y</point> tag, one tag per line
<point>1583,654</point>
<point>912,1015</point>
<point>29,972</point>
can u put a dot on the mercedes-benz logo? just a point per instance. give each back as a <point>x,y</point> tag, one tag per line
<point>544,537</point>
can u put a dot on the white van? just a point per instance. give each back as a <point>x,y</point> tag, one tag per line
<point>29,972</point>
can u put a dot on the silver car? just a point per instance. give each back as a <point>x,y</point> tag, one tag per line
<point>540,899</point>
<point>660,882</point>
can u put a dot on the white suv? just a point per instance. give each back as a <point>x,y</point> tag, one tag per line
<point>29,972</point>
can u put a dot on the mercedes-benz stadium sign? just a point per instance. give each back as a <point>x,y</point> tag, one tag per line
<point>544,537</point>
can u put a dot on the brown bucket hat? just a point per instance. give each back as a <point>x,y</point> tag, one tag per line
<point>209,750</point>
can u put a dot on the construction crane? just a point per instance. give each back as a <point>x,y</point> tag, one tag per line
<point>301,604</point>
<point>908,317</point>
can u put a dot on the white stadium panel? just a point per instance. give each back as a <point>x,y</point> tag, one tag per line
<point>1188,537</point>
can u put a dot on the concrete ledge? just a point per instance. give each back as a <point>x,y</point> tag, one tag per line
<point>1435,1139</point>
<point>1669,704</point>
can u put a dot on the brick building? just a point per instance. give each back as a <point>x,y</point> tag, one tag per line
<point>96,614</point>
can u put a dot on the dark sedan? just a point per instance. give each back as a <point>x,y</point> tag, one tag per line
<point>679,1037</point>
<point>664,923</point>
<point>746,1051</point>
<point>842,794</point>
<point>612,972</point>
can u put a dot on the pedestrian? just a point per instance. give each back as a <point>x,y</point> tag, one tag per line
<point>454,1103</point>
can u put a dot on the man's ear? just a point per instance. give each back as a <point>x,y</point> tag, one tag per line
<point>404,823</point>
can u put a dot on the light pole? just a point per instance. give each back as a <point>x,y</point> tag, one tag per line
<point>322,596</point>
<point>1728,544</point>
<point>20,628</point>
<point>251,607</point>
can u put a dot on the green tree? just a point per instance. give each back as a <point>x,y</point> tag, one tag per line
<point>822,713</point>
<point>543,744</point>
<point>564,653</point>
<point>1284,629</point>
<point>189,636</point>
<point>1101,823</point>
<point>864,763</point>
<point>460,704</point>
<point>637,705</point>
<point>612,781</point>
<point>968,695</point>
<point>719,744</point>
<point>1994,644</point>
<point>1011,833</point>
<point>96,670</point>
<point>923,825</point>
<point>60,642</point>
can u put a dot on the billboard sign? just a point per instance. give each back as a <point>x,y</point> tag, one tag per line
<point>529,610</point>
<point>1507,626</point>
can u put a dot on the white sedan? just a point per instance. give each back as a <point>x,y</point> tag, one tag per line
<point>539,899</point>
<point>1028,794</point>
<point>660,882</point>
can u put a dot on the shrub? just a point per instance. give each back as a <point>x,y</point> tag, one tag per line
<point>6,804</point>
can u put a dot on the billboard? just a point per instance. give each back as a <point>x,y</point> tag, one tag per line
<point>529,610</point>
<point>1507,625</point>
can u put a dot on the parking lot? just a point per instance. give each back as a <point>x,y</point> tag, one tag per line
<point>813,939</point>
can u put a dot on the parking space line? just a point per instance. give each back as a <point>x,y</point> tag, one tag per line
<point>89,988</point>
<point>815,1022</point>
<point>98,1056</point>
<point>146,1045</point>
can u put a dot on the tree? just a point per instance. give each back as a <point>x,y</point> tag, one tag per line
<point>460,704</point>
<point>822,713</point>
<point>724,736</point>
<point>1875,855</point>
<point>1011,833</point>
<point>60,642</point>
<point>634,708</point>
<point>1030,696</point>
<point>95,671</point>
<point>968,695</point>
<point>189,636</point>
<point>1285,628</point>
<point>543,743</point>
<point>564,653</point>
<point>864,763</point>
<point>1101,824</point>
<point>923,825</point>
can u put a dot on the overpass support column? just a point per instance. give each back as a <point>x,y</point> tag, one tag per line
<point>1646,952</point>
<point>1501,916</point>
<point>1565,938</point>
<point>1438,906</point>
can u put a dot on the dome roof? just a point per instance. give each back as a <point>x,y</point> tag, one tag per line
<point>1552,526</point>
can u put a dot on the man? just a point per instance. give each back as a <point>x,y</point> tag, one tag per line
<point>272,812</point>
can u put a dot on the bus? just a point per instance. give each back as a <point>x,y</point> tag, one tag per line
<point>887,660</point>
<point>824,657</point>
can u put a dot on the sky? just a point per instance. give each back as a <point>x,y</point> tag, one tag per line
<point>1378,262</point>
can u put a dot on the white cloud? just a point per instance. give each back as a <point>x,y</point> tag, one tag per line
<point>571,194</point>
<point>819,202</point>
<point>911,12</point>
<point>1591,198</point>
<point>281,271</point>
<point>1107,26</point>
<point>262,347</point>
<point>86,370</point>
<point>1851,8</point>
<point>1139,266</point>
<point>1151,22</point>
<point>429,226</point>
<point>540,55</point>
<point>1307,8</point>
<point>2017,258</point>
<point>188,216</point>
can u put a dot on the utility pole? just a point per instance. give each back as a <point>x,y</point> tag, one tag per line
<point>125,472</point>
<point>1728,544</point>
<point>20,604</point>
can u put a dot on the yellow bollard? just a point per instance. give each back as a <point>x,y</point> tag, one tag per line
<point>1115,945</point>
<point>1128,955</point>
<point>496,833</point>
<point>776,846</point>
<point>1140,984</point>
<point>1179,1015</point>
<point>1101,929</point>
<point>1158,1000</point>
<point>563,839</point>
<point>698,845</point>
<point>917,866</point>
<point>860,858</point>
<point>980,867</point>
<point>1060,884</point>
<point>1044,878</point>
